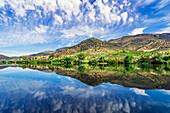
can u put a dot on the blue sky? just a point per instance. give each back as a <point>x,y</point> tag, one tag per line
<point>30,26</point>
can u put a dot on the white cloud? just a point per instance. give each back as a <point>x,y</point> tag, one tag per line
<point>110,14</point>
<point>82,31</point>
<point>41,29</point>
<point>58,19</point>
<point>124,17</point>
<point>14,53</point>
<point>66,18</point>
<point>165,91</point>
<point>130,19</point>
<point>2,3</point>
<point>147,2</point>
<point>162,3</point>
<point>139,91</point>
<point>92,15</point>
<point>25,37</point>
<point>121,6</point>
<point>70,7</point>
<point>137,31</point>
<point>70,11</point>
<point>165,30</point>
<point>29,7</point>
<point>144,2</point>
<point>105,1</point>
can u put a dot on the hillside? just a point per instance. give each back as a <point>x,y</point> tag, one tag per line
<point>92,45</point>
<point>3,57</point>
<point>49,52</point>
<point>95,48</point>
<point>144,42</point>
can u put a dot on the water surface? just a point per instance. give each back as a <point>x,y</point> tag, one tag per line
<point>30,90</point>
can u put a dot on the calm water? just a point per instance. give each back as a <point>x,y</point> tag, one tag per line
<point>27,90</point>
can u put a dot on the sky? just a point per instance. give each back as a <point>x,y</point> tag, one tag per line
<point>31,26</point>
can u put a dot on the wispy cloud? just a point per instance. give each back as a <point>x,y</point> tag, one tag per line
<point>82,31</point>
<point>14,53</point>
<point>15,38</point>
<point>162,4</point>
<point>144,2</point>
<point>67,18</point>
<point>165,30</point>
<point>41,29</point>
<point>26,22</point>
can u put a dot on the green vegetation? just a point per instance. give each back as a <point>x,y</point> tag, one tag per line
<point>146,58</point>
<point>128,59</point>
<point>125,50</point>
<point>3,62</point>
<point>51,56</point>
<point>81,56</point>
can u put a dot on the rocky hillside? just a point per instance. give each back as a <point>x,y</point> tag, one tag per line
<point>3,57</point>
<point>92,44</point>
<point>144,42</point>
<point>49,52</point>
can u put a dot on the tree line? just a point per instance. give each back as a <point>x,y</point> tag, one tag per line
<point>143,59</point>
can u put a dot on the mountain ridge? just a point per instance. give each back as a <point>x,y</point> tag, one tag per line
<point>49,52</point>
<point>140,42</point>
<point>144,42</point>
<point>92,44</point>
<point>4,57</point>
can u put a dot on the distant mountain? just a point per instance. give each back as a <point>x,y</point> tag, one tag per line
<point>3,57</point>
<point>49,52</point>
<point>140,42</point>
<point>144,42</point>
<point>92,44</point>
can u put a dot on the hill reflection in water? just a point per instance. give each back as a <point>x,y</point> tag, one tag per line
<point>143,76</point>
<point>27,90</point>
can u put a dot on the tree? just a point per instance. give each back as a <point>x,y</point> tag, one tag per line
<point>166,58</point>
<point>68,60</point>
<point>81,56</point>
<point>157,59</point>
<point>51,56</point>
<point>24,57</point>
<point>128,59</point>
<point>144,59</point>
<point>101,59</point>
<point>30,57</point>
<point>81,69</point>
<point>58,55</point>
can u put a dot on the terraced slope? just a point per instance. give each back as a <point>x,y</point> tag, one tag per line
<point>144,42</point>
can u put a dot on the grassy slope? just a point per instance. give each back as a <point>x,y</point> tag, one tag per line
<point>92,44</point>
<point>92,47</point>
<point>147,42</point>
<point>133,45</point>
